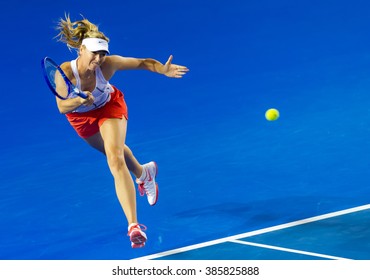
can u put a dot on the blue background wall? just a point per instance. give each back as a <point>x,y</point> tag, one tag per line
<point>223,169</point>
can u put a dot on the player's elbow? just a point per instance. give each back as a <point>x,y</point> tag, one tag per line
<point>63,110</point>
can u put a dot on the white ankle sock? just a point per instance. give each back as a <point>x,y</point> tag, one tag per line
<point>131,225</point>
<point>143,174</point>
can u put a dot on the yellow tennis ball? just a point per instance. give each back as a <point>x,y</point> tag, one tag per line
<point>272,114</point>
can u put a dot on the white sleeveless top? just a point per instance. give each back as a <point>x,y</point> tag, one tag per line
<point>101,93</point>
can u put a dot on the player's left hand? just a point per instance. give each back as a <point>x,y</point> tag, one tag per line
<point>174,70</point>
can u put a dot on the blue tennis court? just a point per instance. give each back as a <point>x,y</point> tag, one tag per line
<point>232,185</point>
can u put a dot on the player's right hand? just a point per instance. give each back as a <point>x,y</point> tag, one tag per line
<point>89,100</point>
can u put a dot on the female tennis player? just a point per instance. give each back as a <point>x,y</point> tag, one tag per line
<point>101,118</point>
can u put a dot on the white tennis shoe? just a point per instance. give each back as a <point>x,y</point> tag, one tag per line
<point>137,235</point>
<point>147,184</point>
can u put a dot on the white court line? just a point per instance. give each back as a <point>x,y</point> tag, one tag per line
<point>255,232</point>
<point>287,250</point>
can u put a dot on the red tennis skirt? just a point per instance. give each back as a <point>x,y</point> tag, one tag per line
<point>88,123</point>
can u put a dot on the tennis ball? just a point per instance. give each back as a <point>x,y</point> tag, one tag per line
<point>272,114</point>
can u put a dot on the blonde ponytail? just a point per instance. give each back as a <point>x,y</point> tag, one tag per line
<point>72,33</point>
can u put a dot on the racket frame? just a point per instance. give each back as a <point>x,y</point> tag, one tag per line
<point>71,87</point>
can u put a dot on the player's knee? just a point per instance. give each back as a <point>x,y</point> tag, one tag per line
<point>116,160</point>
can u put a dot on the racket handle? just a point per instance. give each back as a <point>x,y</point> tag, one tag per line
<point>82,94</point>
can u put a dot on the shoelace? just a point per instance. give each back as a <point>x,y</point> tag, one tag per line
<point>141,184</point>
<point>141,189</point>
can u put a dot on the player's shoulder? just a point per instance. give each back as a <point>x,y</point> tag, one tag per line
<point>109,63</point>
<point>66,65</point>
<point>111,59</point>
<point>67,68</point>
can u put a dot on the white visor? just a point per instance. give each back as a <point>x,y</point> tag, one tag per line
<point>95,44</point>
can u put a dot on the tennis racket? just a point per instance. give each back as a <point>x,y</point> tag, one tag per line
<point>57,81</point>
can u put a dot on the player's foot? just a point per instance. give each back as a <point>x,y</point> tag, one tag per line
<point>137,235</point>
<point>147,184</point>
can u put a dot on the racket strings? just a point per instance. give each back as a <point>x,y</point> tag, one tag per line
<point>56,80</point>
